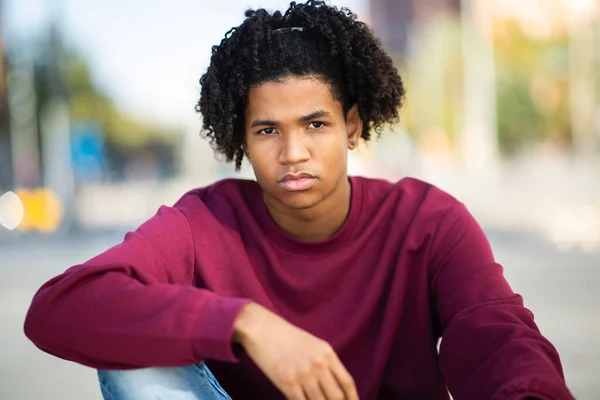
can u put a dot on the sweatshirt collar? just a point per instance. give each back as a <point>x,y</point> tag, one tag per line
<point>340,238</point>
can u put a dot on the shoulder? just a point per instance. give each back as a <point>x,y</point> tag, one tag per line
<point>412,206</point>
<point>408,193</point>
<point>232,190</point>
<point>441,220</point>
<point>221,200</point>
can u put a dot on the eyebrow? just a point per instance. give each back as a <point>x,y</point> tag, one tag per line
<point>316,114</point>
<point>305,118</point>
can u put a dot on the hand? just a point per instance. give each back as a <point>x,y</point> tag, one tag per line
<point>300,365</point>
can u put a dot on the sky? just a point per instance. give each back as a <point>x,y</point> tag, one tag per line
<point>147,54</point>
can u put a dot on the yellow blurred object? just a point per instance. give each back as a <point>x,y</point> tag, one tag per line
<point>43,211</point>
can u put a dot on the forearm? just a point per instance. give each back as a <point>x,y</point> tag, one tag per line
<point>112,321</point>
<point>502,355</point>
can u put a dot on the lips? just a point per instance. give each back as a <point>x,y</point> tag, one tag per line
<point>297,182</point>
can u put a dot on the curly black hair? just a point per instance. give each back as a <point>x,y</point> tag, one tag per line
<point>331,44</point>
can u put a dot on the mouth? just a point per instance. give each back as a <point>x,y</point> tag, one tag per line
<point>297,182</point>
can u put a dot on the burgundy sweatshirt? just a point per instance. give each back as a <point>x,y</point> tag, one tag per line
<point>410,265</point>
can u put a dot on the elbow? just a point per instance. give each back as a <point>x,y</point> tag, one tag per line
<point>37,322</point>
<point>31,328</point>
<point>50,310</point>
<point>45,320</point>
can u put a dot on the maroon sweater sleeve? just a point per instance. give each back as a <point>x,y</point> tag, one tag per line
<point>135,305</point>
<point>491,347</point>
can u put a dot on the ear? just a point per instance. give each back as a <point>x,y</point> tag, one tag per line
<point>354,125</point>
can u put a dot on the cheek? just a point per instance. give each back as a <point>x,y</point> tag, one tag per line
<point>332,148</point>
<point>264,162</point>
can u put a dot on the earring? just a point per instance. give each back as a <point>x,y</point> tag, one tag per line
<point>352,143</point>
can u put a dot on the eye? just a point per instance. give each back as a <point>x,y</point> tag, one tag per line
<point>267,131</point>
<point>316,124</point>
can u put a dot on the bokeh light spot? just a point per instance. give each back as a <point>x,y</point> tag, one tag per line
<point>11,210</point>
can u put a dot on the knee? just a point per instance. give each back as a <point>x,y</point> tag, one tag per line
<point>186,383</point>
<point>138,384</point>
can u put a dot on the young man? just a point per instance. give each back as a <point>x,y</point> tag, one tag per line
<point>306,284</point>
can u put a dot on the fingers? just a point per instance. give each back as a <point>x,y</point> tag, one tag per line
<point>325,385</point>
<point>344,380</point>
<point>296,393</point>
<point>331,387</point>
<point>312,389</point>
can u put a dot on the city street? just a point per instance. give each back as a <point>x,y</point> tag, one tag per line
<point>560,288</point>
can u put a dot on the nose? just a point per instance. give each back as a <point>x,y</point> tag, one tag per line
<point>293,150</point>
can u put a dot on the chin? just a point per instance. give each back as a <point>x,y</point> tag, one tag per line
<point>301,200</point>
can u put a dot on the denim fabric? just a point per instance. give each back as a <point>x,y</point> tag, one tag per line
<point>195,382</point>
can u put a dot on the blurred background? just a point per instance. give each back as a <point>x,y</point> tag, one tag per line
<point>98,129</point>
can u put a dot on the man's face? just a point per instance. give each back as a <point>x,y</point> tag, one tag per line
<point>297,138</point>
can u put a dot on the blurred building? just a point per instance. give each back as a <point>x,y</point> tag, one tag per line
<point>5,143</point>
<point>468,64</point>
<point>448,114</point>
<point>392,20</point>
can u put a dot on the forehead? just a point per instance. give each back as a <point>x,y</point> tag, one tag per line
<point>291,97</point>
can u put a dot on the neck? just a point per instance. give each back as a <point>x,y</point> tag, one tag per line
<point>316,223</point>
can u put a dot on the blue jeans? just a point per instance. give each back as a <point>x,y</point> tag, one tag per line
<point>195,382</point>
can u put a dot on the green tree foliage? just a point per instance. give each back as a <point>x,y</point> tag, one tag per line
<point>89,103</point>
<point>532,86</point>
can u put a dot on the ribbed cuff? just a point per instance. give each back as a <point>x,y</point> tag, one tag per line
<point>535,388</point>
<point>214,339</point>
